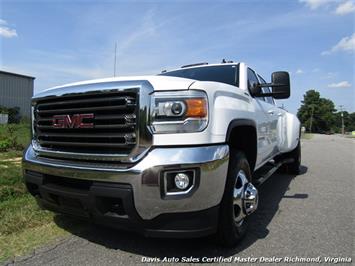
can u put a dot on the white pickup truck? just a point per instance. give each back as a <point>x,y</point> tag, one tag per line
<point>167,155</point>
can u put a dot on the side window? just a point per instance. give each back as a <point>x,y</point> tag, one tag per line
<point>252,79</point>
<point>268,99</point>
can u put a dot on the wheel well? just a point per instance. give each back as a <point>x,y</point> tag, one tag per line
<point>243,138</point>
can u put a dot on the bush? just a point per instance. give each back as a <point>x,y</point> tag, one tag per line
<point>14,136</point>
<point>25,120</point>
<point>3,110</point>
<point>14,115</point>
<point>5,144</point>
<point>13,112</point>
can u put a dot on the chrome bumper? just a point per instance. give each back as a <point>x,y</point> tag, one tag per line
<point>144,177</point>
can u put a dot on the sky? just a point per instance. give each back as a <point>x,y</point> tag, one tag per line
<point>67,41</point>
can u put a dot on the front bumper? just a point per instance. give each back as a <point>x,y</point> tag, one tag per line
<point>133,197</point>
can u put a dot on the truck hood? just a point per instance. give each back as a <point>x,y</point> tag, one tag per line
<point>159,83</point>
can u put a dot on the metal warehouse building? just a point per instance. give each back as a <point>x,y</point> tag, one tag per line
<point>16,90</point>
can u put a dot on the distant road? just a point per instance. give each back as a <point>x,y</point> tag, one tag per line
<point>309,215</point>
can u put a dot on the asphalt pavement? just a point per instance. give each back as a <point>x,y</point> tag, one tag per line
<point>306,216</point>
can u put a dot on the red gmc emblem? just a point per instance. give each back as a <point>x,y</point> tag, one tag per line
<point>72,121</point>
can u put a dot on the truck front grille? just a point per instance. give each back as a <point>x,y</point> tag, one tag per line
<point>108,122</point>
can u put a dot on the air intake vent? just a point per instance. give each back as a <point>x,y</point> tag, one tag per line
<point>95,122</point>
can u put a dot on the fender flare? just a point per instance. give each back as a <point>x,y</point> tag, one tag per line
<point>239,122</point>
<point>252,150</point>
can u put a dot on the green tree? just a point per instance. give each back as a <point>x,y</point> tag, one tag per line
<point>349,121</point>
<point>317,114</point>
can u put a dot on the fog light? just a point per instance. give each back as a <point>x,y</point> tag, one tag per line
<point>182,181</point>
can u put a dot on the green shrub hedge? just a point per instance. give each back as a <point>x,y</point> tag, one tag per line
<point>14,136</point>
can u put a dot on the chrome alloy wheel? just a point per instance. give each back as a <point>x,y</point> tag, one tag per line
<point>245,197</point>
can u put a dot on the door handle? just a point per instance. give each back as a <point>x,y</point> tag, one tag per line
<point>270,112</point>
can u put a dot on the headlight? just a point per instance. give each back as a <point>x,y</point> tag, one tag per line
<point>179,112</point>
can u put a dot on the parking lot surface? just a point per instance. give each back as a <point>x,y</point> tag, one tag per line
<point>309,215</point>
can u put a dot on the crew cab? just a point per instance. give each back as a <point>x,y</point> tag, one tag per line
<point>170,155</point>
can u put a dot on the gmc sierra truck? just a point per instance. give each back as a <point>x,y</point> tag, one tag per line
<point>170,155</point>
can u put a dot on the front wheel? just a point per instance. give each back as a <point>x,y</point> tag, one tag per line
<point>240,199</point>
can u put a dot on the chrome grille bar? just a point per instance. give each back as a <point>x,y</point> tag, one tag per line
<point>114,123</point>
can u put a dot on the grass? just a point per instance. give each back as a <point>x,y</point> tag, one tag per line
<point>306,136</point>
<point>14,136</point>
<point>20,222</point>
<point>23,225</point>
<point>10,176</point>
<point>27,240</point>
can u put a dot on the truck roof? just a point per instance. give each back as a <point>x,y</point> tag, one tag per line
<point>198,65</point>
<point>157,80</point>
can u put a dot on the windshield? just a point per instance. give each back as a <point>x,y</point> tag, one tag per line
<point>225,73</point>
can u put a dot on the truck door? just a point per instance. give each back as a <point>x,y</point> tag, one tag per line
<point>279,123</point>
<point>274,114</point>
<point>264,122</point>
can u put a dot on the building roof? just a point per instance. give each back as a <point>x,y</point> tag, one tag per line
<point>16,74</point>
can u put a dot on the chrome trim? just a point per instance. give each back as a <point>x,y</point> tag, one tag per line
<point>145,175</point>
<point>183,192</point>
<point>251,199</point>
<point>245,197</point>
<point>144,140</point>
<point>173,95</point>
<point>32,121</point>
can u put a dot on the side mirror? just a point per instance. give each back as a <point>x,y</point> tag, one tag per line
<point>280,83</point>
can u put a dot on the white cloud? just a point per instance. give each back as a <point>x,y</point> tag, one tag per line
<point>345,8</point>
<point>346,44</point>
<point>342,84</point>
<point>330,75</point>
<point>7,32</point>
<point>315,4</point>
<point>299,71</point>
<point>314,70</point>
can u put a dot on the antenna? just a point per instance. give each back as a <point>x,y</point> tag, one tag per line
<point>114,65</point>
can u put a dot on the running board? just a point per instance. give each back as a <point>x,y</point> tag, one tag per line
<point>259,181</point>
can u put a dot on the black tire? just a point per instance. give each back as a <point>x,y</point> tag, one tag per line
<point>229,232</point>
<point>294,167</point>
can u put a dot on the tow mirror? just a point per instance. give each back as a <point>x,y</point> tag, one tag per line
<point>280,83</point>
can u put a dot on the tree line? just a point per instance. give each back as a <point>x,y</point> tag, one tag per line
<point>319,115</point>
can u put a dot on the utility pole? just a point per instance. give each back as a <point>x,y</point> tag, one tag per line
<point>342,119</point>
<point>310,124</point>
<point>114,64</point>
